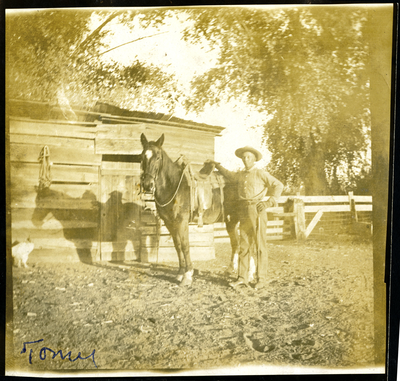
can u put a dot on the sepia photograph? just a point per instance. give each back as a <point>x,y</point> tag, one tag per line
<point>198,190</point>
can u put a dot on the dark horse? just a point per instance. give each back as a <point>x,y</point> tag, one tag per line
<point>172,194</point>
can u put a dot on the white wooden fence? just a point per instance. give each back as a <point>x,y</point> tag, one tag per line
<point>314,215</point>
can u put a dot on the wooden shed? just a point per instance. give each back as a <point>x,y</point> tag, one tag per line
<point>93,210</point>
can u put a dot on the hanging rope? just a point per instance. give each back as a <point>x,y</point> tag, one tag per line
<point>44,171</point>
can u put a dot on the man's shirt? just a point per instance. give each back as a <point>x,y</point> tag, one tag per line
<point>254,184</point>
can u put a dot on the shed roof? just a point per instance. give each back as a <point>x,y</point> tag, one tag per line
<point>105,113</point>
<point>120,116</point>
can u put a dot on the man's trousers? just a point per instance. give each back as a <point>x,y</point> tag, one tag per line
<point>253,241</point>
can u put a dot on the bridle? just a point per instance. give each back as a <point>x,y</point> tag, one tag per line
<point>154,177</point>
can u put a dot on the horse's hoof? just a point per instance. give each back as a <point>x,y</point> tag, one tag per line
<point>186,282</point>
<point>187,279</point>
<point>179,277</point>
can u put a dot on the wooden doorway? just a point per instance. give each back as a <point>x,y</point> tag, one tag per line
<point>120,210</point>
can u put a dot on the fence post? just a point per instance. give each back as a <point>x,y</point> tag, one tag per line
<point>288,208</point>
<point>300,220</point>
<point>353,211</point>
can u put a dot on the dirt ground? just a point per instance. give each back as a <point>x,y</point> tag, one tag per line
<point>316,311</point>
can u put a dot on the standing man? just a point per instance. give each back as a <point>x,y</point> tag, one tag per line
<point>253,185</point>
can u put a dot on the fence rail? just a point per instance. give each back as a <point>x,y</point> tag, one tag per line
<point>314,215</point>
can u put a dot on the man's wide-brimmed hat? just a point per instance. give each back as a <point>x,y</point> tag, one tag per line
<point>240,151</point>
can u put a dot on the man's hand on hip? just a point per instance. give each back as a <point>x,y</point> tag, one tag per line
<point>262,205</point>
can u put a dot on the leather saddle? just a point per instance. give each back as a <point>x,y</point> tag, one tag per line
<point>206,193</point>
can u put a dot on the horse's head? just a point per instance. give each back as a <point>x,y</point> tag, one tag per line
<point>151,162</point>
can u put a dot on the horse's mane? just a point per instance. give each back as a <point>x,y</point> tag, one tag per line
<point>172,170</point>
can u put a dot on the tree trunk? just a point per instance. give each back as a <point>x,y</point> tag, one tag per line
<point>313,172</point>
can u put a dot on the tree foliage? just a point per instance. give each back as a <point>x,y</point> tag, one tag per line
<point>307,68</point>
<point>54,56</point>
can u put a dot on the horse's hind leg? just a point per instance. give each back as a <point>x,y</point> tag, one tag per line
<point>183,233</point>
<point>178,247</point>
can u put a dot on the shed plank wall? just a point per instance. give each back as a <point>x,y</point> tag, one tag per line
<point>26,196</point>
<point>197,146</point>
<point>67,224</point>
<point>64,222</point>
<point>60,154</point>
<point>60,173</point>
<point>120,210</point>
<point>55,129</point>
<point>56,141</point>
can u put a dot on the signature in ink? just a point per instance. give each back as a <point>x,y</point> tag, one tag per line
<point>44,350</point>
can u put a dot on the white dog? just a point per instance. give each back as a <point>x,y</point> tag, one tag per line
<point>21,251</point>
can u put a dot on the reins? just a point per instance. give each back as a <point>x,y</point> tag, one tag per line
<point>176,191</point>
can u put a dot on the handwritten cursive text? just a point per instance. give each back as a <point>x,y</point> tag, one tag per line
<point>44,350</point>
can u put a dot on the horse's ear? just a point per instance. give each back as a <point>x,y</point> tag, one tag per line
<point>143,139</point>
<point>160,141</point>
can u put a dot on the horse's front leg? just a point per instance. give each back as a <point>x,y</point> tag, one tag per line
<point>232,227</point>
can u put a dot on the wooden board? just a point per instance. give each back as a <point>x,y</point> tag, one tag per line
<point>77,190</point>
<point>221,226</point>
<point>69,234</point>
<point>196,154</point>
<point>363,208</point>
<point>54,224</point>
<point>51,128</point>
<point>118,256</point>
<point>164,122</point>
<point>110,168</point>
<point>125,139</point>
<point>193,229</point>
<point>54,141</point>
<point>56,255</point>
<point>327,208</point>
<point>168,254</point>
<point>275,237</point>
<point>20,198</point>
<point>55,204</point>
<point>363,199</point>
<point>29,190</point>
<point>120,251</point>
<point>165,240</point>
<point>20,172</point>
<point>275,231</point>
<point>120,208</point>
<point>46,243</point>
<point>26,195</point>
<point>327,199</point>
<point>121,166</point>
<point>269,238</point>
<point>152,131</point>
<point>313,223</point>
<point>54,121</point>
<point>58,155</point>
<point>111,172</point>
